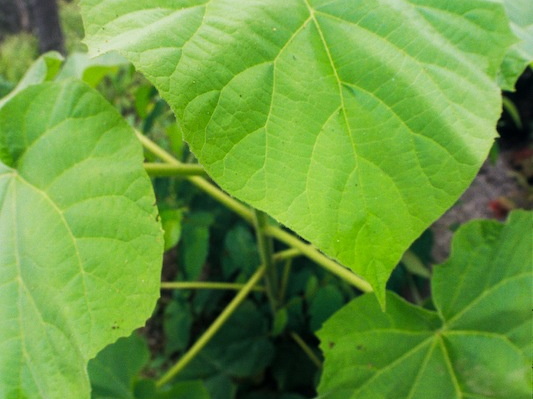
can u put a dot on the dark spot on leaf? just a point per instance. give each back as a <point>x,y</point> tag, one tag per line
<point>331,345</point>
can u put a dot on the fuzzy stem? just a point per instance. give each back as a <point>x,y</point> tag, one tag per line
<point>313,254</point>
<point>198,181</point>
<point>236,206</point>
<point>222,318</point>
<point>165,169</point>
<point>308,351</point>
<point>414,265</point>
<point>266,250</point>
<point>204,285</point>
<point>285,280</point>
<point>213,328</point>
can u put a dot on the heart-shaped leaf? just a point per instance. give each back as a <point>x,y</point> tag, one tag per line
<point>477,344</point>
<point>80,246</point>
<point>354,123</point>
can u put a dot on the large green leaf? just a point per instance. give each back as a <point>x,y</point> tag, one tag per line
<point>80,246</point>
<point>354,123</point>
<point>478,344</point>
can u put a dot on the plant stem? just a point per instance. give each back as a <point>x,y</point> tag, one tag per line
<point>236,206</point>
<point>204,285</point>
<point>155,149</point>
<point>287,254</point>
<point>414,265</point>
<point>285,280</point>
<point>223,317</point>
<point>417,298</point>
<point>166,169</point>
<point>266,250</point>
<point>308,351</point>
<point>198,181</point>
<point>275,232</point>
<point>313,254</point>
<point>213,328</point>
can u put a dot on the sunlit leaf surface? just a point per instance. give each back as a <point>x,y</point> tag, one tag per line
<point>354,123</point>
<point>80,248</point>
<point>478,344</point>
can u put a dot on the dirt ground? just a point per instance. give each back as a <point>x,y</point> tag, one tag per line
<point>497,189</point>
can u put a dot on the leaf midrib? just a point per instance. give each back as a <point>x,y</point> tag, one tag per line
<point>79,262</point>
<point>21,285</point>
<point>487,291</point>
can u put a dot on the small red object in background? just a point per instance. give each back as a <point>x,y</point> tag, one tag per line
<point>501,207</point>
